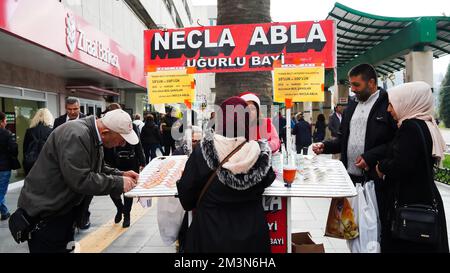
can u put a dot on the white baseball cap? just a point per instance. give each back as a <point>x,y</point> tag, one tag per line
<point>120,122</point>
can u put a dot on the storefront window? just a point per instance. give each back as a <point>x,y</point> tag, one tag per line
<point>22,111</point>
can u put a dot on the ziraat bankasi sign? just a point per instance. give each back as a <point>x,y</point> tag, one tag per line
<point>240,48</point>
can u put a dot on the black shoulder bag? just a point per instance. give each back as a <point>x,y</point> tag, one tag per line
<point>211,178</point>
<point>21,225</point>
<point>417,223</point>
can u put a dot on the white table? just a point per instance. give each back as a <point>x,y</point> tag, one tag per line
<point>316,177</point>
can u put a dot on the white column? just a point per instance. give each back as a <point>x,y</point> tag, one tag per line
<point>419,66</point>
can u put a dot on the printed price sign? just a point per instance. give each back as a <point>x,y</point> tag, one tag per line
<point>299,84</point>
<point>170,87</point>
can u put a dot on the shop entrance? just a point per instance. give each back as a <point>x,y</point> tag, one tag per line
<point>19,113</point>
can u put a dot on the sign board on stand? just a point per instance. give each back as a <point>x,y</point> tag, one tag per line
<point>241,48</point>
<point>301,84</point>
<point>174,86</point>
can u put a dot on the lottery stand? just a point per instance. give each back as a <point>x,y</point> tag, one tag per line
<point>298,54</point>
<point>316,177</point>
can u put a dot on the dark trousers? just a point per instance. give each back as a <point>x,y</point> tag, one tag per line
<point>150,151</point>
<point>302,150</point>
<point>167,147</point>
<point>54,236</point>
<point>125,207</point>
<point>84,214</point>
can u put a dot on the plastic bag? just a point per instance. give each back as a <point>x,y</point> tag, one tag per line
<point>341,221</point>
<point>170,215</point>
<point>367,218</point>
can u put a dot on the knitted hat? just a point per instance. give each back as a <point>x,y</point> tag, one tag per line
<point>249,96</point>
<point>229,114</point>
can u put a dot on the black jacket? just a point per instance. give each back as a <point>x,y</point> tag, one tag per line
<point>62,119</point>
<point>302,132</point>
<point>41,133</point>
<point>129,157</point>
<point>167,123</point>
<point>380,131</point>
<point>319,131</point>
<point>406,169</point>
<point>150,134</point>
<point>8,149</point>
<point>228,219</point>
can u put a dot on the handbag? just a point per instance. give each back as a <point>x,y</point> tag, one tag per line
<point>21,226</point>
<point>417,223</point>
<point>215,172</point>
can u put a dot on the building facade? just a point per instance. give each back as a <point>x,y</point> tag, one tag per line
<point>89,49</point>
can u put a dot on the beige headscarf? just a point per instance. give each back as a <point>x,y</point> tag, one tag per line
<point>415,100</point>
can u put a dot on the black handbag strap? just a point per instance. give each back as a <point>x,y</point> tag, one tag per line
<point>213,175</point>
<point>429,170</point>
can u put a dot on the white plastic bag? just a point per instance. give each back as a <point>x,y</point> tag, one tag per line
<point>170,215</point>
<point>367,217</point>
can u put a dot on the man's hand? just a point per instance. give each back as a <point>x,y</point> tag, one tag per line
<point>379,173</point>
<point>318,148</point>
<point>361,163</point>
<point>128,184</point>
<point>131,174</point>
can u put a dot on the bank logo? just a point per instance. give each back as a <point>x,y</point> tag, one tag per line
<point>71,33</point>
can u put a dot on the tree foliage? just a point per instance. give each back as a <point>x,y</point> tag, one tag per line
<point>444,96</point>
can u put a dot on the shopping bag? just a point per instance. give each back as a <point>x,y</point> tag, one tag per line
<point>367,217</point>
<point>341,222</point>
<point>170,215</point>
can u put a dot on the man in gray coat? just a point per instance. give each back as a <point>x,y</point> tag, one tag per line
<point>334,121</point>
<point>69,167</point>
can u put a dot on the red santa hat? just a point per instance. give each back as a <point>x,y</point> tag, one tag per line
<point>249,96</point>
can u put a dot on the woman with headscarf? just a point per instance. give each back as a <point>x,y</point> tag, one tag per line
<point>260,128</point>
<point>407,176</point>
<point>229,217</point>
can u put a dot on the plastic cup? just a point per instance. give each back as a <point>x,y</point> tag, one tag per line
<point>289,175</point>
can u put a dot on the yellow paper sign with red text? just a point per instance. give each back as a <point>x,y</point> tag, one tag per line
<point>175,86</point>
<point>301,84</point>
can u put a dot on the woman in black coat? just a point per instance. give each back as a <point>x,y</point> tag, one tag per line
<point>150,138</point>
<point>319,129</point>
<point>35,137</point>
<point>407,178</point>
<point>230,216</point>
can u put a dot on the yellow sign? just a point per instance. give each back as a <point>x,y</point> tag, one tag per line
<point>170,87</point>
<point>299,84</point>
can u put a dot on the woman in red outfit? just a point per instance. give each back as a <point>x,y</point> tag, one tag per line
<point>260,128</point>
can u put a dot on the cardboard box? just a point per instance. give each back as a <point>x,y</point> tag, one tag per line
<point>302,243</point>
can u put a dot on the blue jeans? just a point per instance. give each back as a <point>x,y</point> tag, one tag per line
<point>4,182</point>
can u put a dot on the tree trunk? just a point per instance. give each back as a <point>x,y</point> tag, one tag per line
<point>231,84</point>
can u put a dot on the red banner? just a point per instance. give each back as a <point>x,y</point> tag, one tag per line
<point>241,48</point>
<point>276,217</point>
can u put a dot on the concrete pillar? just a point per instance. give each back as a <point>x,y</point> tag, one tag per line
<point>315,112</point>
<point>299,107</point>
<point>307,111</point>
<point>327,110</point>
<point>343,91</point>
<point>419,66</point>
